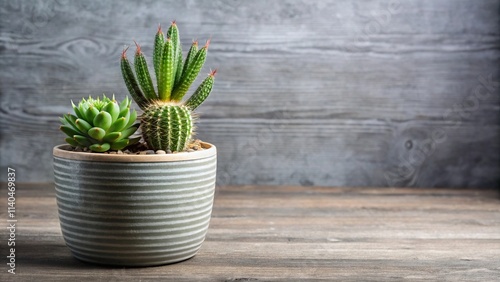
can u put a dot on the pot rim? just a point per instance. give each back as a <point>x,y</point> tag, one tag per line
<point>60,152</point>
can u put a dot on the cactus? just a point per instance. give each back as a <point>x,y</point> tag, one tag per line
<point>100,125</point>
<point>167,122</point>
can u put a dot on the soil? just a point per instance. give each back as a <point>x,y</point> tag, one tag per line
<point>142,149</point>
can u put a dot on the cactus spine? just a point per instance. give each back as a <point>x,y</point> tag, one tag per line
<point>167,126</point>
<point>167,123</point>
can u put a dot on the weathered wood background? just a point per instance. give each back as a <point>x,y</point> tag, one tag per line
<point>337,93</point>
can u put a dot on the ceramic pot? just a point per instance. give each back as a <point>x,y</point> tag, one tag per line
<point>134,210</point>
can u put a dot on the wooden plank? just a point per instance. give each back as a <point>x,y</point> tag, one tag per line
<point>332,93</point>
<point>294,234</point>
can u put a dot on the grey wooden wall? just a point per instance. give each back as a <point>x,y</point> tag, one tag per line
<point>340,93</point>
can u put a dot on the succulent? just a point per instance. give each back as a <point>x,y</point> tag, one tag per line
<point>167,122</point>
<point>100,124</point>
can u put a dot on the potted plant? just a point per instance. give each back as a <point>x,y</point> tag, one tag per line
<point>123,201</point>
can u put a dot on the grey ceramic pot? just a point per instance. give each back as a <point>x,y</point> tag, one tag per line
<point>134,210</point>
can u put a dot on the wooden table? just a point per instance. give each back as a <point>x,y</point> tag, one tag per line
<point>294,234</point>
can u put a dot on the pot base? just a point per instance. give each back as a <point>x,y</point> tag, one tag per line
<point>131,263</point>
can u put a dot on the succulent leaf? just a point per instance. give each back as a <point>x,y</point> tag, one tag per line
<point>127,132</point>
<point>113,109</point>
<point>91,113</point>
<point>70,118</point>
<point>77,111</point>
<point>72,142</point>
<point>119,124</point>
<point>82,125</point>
<point>103,120</point>
<point>100,148</point>
<point>113,122</point>
<point>113,136</point>
<point>96,133</point>
<point>70,131</point>
<point>125,104</point>
<point>63,121</point>
<point>124,112</point>
<point>68,123</point>
<point>82,140</point>
<point>83,108</point>
<point>120,144</point>
<point>132,118</point>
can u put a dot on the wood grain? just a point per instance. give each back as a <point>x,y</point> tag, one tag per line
<point>260,233</point>
<point>333,93</point>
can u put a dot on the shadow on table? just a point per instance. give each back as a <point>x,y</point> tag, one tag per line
<point>44,255</point>
<point>54,256</point>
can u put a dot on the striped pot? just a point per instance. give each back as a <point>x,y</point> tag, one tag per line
<point>134,210</point>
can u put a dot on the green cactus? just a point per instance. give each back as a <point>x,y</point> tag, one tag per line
<point>167,123</point>
<point>100,125</point>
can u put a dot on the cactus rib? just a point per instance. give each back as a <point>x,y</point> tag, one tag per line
<point>141,69</point>
<point>166,80</point>
<point>173,33</point>
<point>190,56</point>
<point>191,73</point>
<point>167,127</point>
<point>158,49</point>
<point>201,92</point>
<point>131,82</point>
